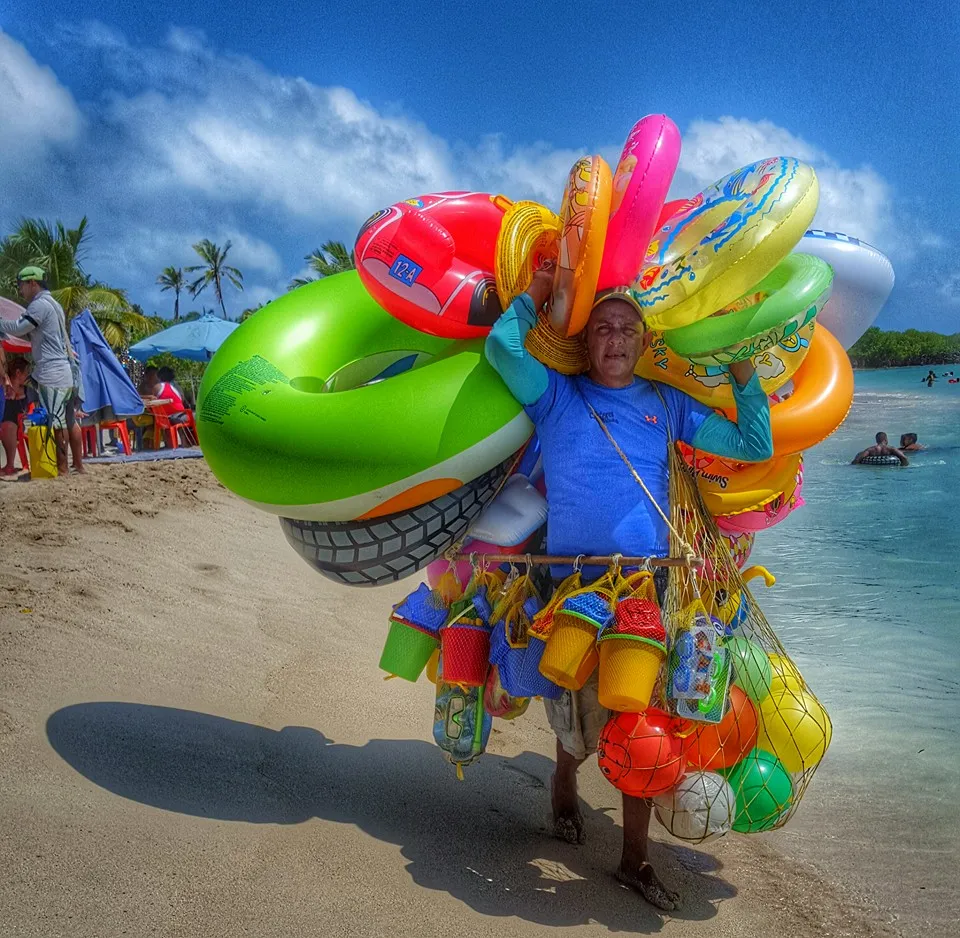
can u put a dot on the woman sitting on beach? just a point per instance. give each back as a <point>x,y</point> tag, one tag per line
<point>167,391</point>
<point>15,404</point>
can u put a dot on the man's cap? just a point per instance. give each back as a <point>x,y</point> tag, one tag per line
<point>32,273</point>
<point>618,293</point>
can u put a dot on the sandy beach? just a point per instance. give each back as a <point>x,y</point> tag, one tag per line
<point>195,740</point>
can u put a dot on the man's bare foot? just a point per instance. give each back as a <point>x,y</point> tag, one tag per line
<point>567,819</point>
<point>79,470</point>
<point>645,881</point>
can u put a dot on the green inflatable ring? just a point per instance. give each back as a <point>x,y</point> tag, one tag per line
<point>789,298</point>
<point>324,407</point>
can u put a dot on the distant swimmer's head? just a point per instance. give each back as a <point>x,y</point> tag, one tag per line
<point>881,439</point>
<point>907,439</point>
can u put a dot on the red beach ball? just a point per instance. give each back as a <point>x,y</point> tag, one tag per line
<point>639,753</point>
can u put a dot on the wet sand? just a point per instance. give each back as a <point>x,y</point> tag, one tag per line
<point>195,740</point>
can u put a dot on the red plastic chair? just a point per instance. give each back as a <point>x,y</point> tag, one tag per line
<point>120,428</point>
<point>88,437</point>
<point>162,424</point>
<point>22,447</point>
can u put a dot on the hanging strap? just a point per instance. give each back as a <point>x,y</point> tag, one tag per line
<point>688,551</point>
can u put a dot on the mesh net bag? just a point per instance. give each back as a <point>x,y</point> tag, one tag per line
<point>424,608</point>
<point>541,624</point>
<point>758,727</point>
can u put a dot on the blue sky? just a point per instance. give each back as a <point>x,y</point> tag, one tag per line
<point>280,126</point>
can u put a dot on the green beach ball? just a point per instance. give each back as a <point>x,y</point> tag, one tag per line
<point>763,789</point>
<point>751,668</point>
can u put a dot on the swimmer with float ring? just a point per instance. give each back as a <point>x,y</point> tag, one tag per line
<point>880,454</point>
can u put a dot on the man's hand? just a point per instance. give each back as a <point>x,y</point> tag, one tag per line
<point>542,284</point>
<point>742,372</point>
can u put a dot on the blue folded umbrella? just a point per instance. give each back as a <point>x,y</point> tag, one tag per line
<point>105,383</point>
<point>196,340</point>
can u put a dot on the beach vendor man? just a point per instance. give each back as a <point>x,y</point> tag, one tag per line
<point>596,506</point>
<point>52,378</point>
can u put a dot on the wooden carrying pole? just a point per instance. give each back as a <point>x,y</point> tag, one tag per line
<point>582,560</point>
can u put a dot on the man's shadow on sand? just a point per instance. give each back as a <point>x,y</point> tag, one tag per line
<point>484,840</point>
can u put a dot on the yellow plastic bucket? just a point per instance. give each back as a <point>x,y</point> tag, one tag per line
<point>629,668</point>
<point>571,653</point>
<point>43,453</point>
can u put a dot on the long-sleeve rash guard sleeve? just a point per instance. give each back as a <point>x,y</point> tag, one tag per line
<point>747,440</point>
<point>18,327</point>
<point>522,373</point>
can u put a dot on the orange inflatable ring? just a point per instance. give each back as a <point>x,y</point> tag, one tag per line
<point>429,261</point>
<point>821,399</point>
<point>709,384</point>
<point>584,215</point>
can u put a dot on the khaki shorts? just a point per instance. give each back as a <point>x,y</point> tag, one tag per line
<point>577,718</point>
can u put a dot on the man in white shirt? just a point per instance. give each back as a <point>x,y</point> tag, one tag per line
<point>44,323</point>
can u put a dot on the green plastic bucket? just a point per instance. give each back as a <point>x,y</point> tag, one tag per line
<point>407,651</point>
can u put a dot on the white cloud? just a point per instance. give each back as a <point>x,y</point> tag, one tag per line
<point>35,109</point>
<point>950,290</point>
<point>249,253</point>
<point>183,142</point>
<point>529,172</point>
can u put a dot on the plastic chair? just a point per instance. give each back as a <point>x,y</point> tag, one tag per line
<point>22,444</point>
<point>162,424</point>
<point>89,439</point>
<point>120,428</point>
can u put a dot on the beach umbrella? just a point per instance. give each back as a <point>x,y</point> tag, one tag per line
<point>105,383</point>
<point>12,311</point>
<point>196,340</point>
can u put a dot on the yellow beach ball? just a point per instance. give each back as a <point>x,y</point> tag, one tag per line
<point>786,676</point>
<point>795,728</point>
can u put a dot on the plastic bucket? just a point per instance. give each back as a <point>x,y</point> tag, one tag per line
<point>532,682</point>
<point>465,654</point>
<point>43,453</point>
<point>407,650</point>
<point>629,668</point>
<point>571,653</point>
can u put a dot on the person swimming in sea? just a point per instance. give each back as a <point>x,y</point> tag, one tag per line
<point>909,444</point>
<point>930,378</point>
<point>881,448</point>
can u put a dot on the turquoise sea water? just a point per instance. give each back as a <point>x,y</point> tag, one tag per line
<point>868,604</point>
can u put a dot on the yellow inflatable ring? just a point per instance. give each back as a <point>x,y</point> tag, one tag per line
<point>584,215</point>
<point>725,240</point>
<point>751,487</point>
<point>709,384</point>
<point>528,235</point>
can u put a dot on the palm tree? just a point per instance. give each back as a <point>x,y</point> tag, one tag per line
<point>215,270</point>
<point>328,259</point>
<point>172,279</point>
<point>59,250</point>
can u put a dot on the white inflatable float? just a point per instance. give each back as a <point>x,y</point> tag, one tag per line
<point>862,281</point>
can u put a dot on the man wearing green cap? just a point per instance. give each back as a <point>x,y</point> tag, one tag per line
<point>44,323</point>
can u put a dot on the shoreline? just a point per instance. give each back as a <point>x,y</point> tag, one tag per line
<point>195,736</point>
